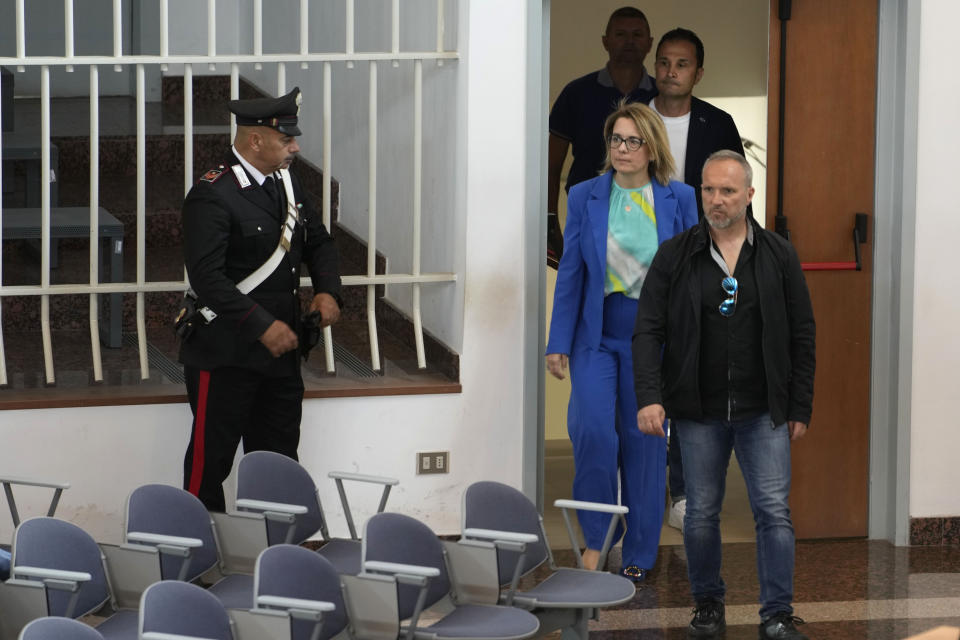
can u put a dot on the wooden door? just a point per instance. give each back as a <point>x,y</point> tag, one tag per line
<point>831,70</point>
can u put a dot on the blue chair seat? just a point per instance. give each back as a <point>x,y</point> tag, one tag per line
<point>502,623</point>
<point>120,626</point>
<point>580,588</point>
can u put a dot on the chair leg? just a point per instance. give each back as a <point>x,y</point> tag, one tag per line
<point>578,630</point>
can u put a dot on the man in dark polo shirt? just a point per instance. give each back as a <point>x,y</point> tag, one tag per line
<point>582,107</point>
<point>724,346</point>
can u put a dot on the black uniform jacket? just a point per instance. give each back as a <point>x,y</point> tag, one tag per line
<point>668,323</point>
<point>229,230</point>
<point>711,129</point>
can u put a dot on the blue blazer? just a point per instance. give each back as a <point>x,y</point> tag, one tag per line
<point>577,319</point>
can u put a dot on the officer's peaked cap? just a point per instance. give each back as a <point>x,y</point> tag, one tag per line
<point>277,113</point>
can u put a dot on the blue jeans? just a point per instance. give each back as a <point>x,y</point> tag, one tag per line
<point>763,451</point>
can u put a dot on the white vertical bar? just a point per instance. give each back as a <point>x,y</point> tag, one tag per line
<point>372,222</point>
<point>3,355</point>
<point>188,136</point>
<point>68,29</point>
<point>417,205</point>
<point>212,31</point>
<point>395,29</point>
<point>141,219</point>
<point>45,220</point>
<point>21,38</point>
<point>304,31</point>
<point>117,33</point>
<point>164,31</point>
<point>349,32</point>
<point>187,127</point>
<point>257,31</point>
<point>327,143</point>
<point>325,202</point>
<point>440,27</point>
<point>281,78</point>
<point>95,220</point>
<point>234,94</point>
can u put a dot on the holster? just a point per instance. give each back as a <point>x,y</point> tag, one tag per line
<point>188,316</point>
<point>310,331</point>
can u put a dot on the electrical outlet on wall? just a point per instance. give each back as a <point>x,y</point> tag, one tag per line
<point>433,462</point>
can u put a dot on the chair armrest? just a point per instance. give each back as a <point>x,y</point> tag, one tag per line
<point>591,506</point>
<point>266,507</point>
<point>156,635</point>
<point>339,476</point>
<point>50,574</point>
<point>618,512</point>
<point>362,477</point>
<point>295,603</point>
<point>408,574</point>
<point>162,540</point>
<point>396,568</point>
<point>30,482</point>
<point>9,481</point>
<point>501,536</point>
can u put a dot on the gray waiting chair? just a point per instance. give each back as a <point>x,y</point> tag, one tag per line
<point>173,609</point>
<point>284,492</point>
<point>410,553</point>
<point>565,599</point>
<point>57,628</point>
<point>177,524</point>
<point>304,585</point>
<point>180,528</point>
<point>57,569</point>
<point>8,483</point>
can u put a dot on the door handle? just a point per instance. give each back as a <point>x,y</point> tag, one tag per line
<point>859,237</point>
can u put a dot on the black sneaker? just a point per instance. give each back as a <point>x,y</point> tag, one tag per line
<point>781,626</point>
<point>708,620</point>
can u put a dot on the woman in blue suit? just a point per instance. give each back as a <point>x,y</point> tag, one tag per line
<point>615,222</point>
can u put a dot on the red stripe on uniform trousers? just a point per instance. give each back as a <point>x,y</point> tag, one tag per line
<point>199,429</point>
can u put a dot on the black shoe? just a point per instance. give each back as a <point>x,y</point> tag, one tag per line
<point>781,626</point>
<point>554,241</point>
<point>708,620</point>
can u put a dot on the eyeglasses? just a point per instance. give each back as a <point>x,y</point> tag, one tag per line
<point>633,142</point>
<point>730,287</point>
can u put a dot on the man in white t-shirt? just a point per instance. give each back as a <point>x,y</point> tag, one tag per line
<point>695,129</point>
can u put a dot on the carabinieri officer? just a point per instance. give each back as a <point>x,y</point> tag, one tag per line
<point>241,361</point>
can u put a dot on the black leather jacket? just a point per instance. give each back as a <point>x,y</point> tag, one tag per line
<point>668,323</point>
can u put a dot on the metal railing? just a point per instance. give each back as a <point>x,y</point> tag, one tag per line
<point>121,60</point>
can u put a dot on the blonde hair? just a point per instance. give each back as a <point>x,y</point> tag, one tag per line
<point>654,134</point>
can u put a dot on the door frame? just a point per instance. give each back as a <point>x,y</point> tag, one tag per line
<point>891,376</point>
<point>895,171</point>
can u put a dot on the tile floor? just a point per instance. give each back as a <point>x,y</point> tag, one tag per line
<point>844,589</point>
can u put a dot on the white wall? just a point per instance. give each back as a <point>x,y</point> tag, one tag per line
<point>106,452</point>
<point>935,439</point>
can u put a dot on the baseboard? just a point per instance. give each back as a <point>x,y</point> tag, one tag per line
<point>937,531</point>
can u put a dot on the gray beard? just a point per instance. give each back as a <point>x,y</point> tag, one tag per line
<point>729,222</point>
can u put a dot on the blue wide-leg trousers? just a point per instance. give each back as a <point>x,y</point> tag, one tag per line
<point>607,445</point>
